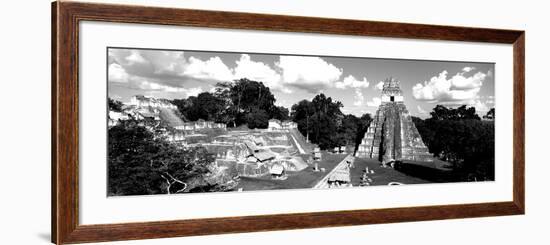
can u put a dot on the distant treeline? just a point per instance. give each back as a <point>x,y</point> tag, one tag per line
<point>460,137</point>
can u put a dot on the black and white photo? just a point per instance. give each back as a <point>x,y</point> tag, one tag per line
<point>187,121</point>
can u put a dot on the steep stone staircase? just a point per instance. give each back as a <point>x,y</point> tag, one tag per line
<point>170,117</point>
<point>307,147</point>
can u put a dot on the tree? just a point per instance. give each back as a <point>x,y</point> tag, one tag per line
<point>459,137</point>
<point>443,113</point>
<point>209,107</point>
<point>466,113</point>
<point>204,106</point>
<point>324,124</point>
<point>142,163</point>
<point>234,103</point>
<point>301,114</point>
<point>490,114</point>
<point>327,119</point>
<point>185,107</point>
<point>349,130</point>
<point>257,118</point>
<point>280,113</point>
<point>227,115</point>
<point>248,96</point>
<point>115,105</point>
<point>319,120</point>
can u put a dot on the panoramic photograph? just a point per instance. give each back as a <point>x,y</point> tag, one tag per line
<point>188,121</point>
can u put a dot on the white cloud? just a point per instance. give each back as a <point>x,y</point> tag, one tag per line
<point>283,103</point>
<point>146,85</point>
<point>258,71</point>
<point>193,91</point>
<point>155,87</point>
<point>380,85</point>
<point>164,66</point>
<point>135,57</point>
<point>351,82</point>
<point>375,102</point>
<point>481,108</point>
<point>117,73</point>
<point>309,73</point>
<point>359,98</point>
<point>173,69</point>
<point>167,62</point>
<point>213,68</point>
<point>161,73</point>
<point>468,69</point>
<point>459,81</point>
<point>455,89</point>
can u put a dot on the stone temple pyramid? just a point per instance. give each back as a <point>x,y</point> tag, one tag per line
<point>392,135</point>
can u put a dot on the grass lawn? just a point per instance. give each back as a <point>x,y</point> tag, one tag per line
<point>306,178</point>
<point>437,171</point>
<point>381,176</point>
<point>406,173</point>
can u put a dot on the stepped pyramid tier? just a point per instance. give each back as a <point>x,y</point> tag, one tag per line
<point>392,135</point>
<point>143,101</point>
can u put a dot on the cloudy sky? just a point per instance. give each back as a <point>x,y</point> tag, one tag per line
<point>356,82</point>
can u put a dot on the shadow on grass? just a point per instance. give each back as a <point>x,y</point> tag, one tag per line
<point>428,171</point>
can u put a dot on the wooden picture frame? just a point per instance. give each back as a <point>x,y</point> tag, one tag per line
<point>65,121</point>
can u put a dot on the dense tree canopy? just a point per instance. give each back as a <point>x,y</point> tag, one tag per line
<point>247,95</point>
<point>204,106</point>
<point>458,136</point>
<point>319,120</point>
<point>322,121</point>
<point>252,102</point>
<point>280,113</point>
<point>141,163</point>
<point>443,113</point>
<point>256,118</point>
<point>234,103</point>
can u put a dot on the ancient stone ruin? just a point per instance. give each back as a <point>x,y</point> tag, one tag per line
<point>392,135</point>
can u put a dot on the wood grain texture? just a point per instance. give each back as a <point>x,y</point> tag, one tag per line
<point>234,20</point>
<point>149,230</point>
<point>64,124</point>
<point>54,122</point>
<point>519,123</point>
